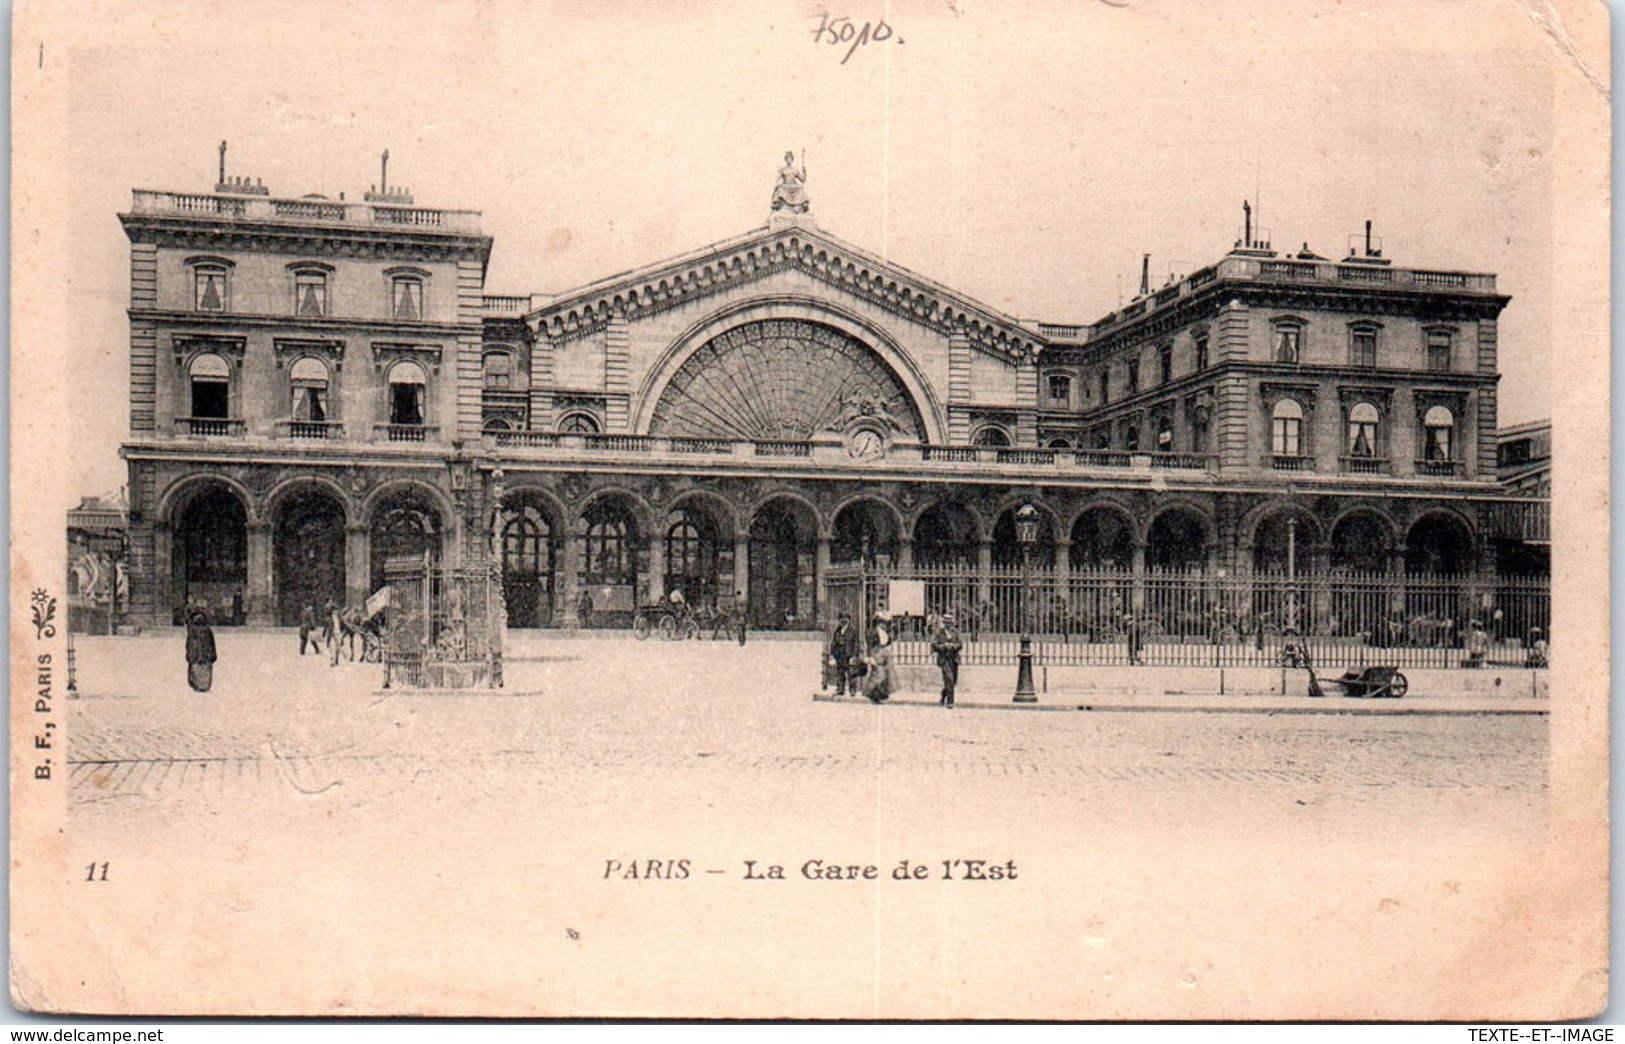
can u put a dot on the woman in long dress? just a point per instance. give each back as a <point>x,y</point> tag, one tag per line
<point>879,682</point>
<point>200,655</point>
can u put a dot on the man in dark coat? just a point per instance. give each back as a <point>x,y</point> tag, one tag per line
<point>843,646</point>
<point>946,644</point>
<point>200,654</point>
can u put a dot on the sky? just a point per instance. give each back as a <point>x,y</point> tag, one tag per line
<point>1025,154</point>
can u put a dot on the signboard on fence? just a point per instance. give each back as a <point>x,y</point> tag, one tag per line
<point>906,597</point>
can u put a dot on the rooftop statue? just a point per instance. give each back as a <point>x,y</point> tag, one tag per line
<point>791,192</point>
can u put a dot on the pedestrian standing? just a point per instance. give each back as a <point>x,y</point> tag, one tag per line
<point>740,608</point>
<point>1131,629</point>
<point>328,637</point>
<point>946,644</point>
<point>335,627</point>
<point>1539,652</point>
<point>584,608</point>
<point>200,654</point>
<point>1478,645</point>
<point>843,646</point>
<point>878,683</point>
<point>307,625</point>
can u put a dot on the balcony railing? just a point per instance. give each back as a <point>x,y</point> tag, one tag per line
<point>680,445</point>
<point>1099,458</point>
<point>1182,461</point>
<point>210,427</point>
<point>297,429</point>
<point>1288,462</point>
<point>501,304</point>
<point>952,454</point>
<point>328,212</point>
<point>525,438</point>
<point>1365,465</point>
<point>617,443</point>
<point>1026,456</point>
<point>1438,468</point>
<point>784,449</point>
<point>405,432</point>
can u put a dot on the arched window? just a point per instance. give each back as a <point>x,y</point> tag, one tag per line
<point>1059,443</point>
<point>499,370</point>
<point>308,378</point>
<point>406,387</point>
<point>1286,429</point>
<point>1363,430</point>
<point>991,436</point>
<point>578,424</point>
<point>1131,438</point>
<point>1439,434</point>
<point>609,553</point>
<point>526,543</point>
<point>211,387</point>
<point>496,425</point>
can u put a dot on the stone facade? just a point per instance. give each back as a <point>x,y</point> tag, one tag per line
<point>318,385</point>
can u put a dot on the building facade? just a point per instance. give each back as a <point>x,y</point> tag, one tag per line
<point>319,385</point>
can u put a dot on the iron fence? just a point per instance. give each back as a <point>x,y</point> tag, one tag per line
<point>1202,618</point>
<point>442,627</point>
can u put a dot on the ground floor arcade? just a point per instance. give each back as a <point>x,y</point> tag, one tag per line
<point>258,544</point>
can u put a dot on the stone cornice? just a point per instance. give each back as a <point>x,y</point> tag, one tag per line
<point>227,323</point>
<point>329,241</point>
<point>728,265</point>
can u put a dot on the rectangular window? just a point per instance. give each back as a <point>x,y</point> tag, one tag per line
<point>408,303</point>
<point>1362,347</point>
<point>310,294</point>
<point>1439,350</point>
<point>209,398</point>
<point>1060,389</point>
<point>1165,363</point>
<point>1287,438</point>
<point>1201,352</point>
<point>1288,343</point>
<point>406,404</point>
<point>1105,387</point>
<point>1133,376</point>
<point>211,289</point>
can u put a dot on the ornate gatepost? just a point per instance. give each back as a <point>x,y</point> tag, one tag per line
<point>496,593</point>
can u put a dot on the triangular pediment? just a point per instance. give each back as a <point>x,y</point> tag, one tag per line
<point>766,251</point>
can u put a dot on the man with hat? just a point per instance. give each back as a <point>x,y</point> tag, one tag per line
<point>946,644</point>
<point>843,647</point>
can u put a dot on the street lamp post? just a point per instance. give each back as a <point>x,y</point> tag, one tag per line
<point>1026,534</point>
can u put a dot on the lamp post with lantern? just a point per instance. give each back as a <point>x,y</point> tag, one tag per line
<point>1026,536</point>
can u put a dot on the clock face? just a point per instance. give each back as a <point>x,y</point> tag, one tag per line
<point>866,444</point>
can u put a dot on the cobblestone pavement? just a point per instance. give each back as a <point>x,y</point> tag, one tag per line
<point>467,853</point>
<point>604,706</point>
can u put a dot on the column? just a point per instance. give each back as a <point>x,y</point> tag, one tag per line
<point>657,569</point>
<point>905,553</point>
<point>357,565</point>
<point>1063,587</point>
<point>741,584</point>
<point>1137,573</point>
<point>162,605</point>
<point>984,573</point>
<point>568,580</point>
<point>258,599</point>
<point>821,568</point>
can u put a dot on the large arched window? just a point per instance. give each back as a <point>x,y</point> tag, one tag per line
<point>210,377</point>
<point>406,394</point>
<point>308,378</point>
<point>991,435</point>
<point>1286,429</point>
<point>1439,434</point>
<point>609,552</point>
<point>1363,418</point>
